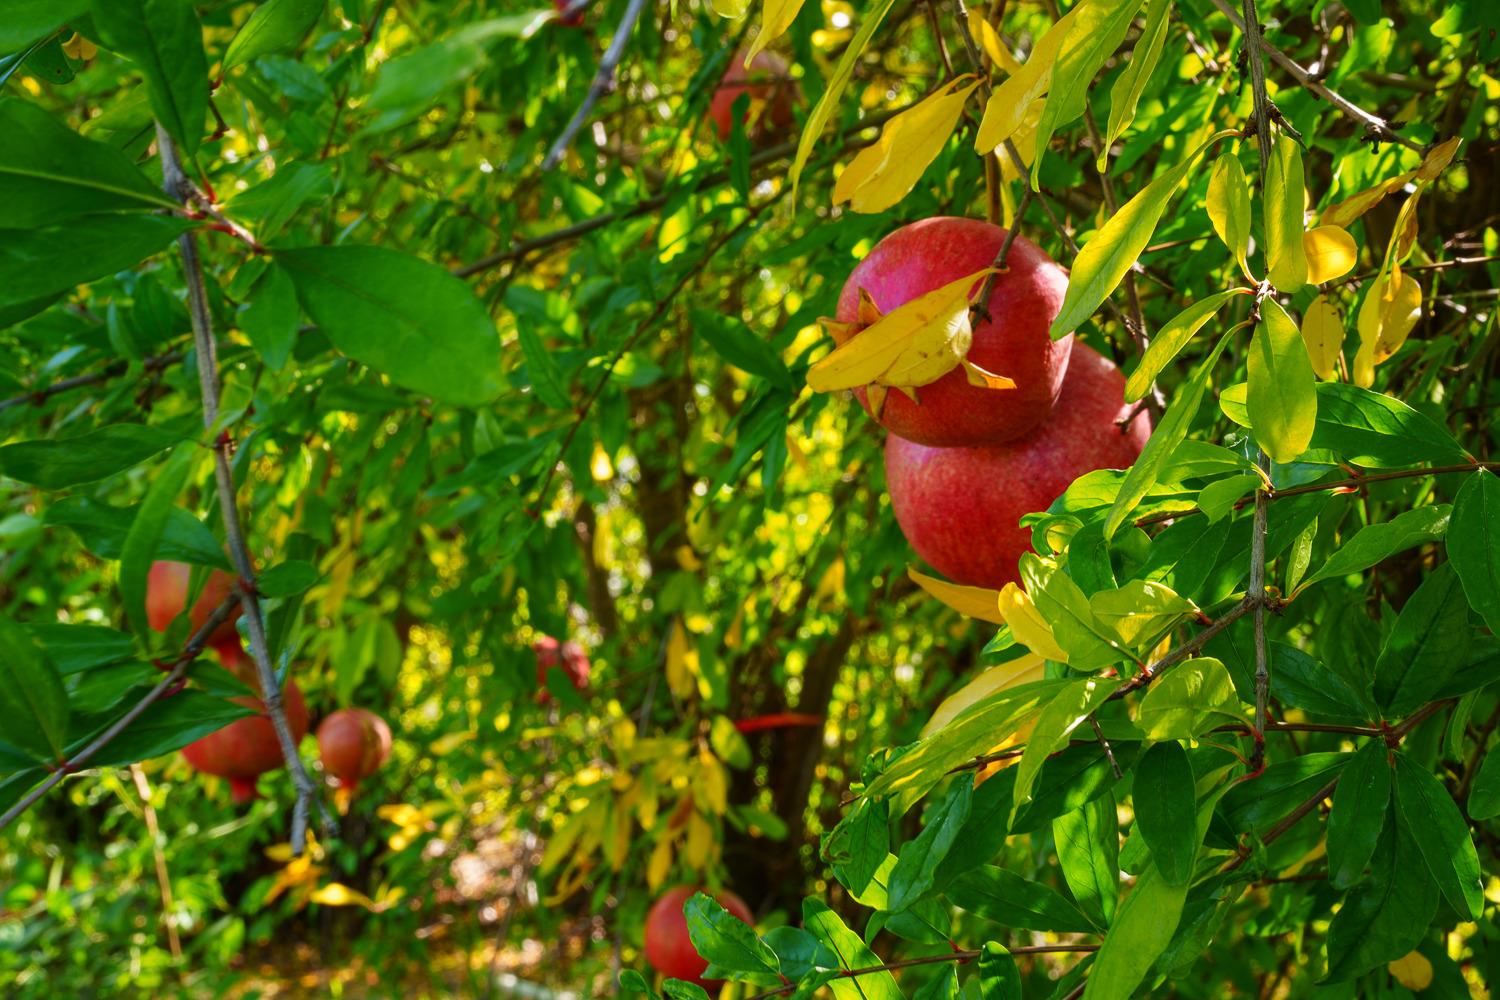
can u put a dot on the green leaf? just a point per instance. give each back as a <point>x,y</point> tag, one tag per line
<point>164,38</point>
<point>798,952</point>
<point>1427,645</point>
<point>403,316</point>
<point>541,367</point>
<point>1484,793</point>
<point>1441,834</point>
<point>287,578</point>
<point>1126,91</point>
<point>1065,712</point>
<point>1378,431</point>
<point>49,173</point>
<point>1012,901</point>
<point>1140,613</point>
<point>1194,697</point>
<point>1105,259</point>
<point>726,940</point>
<point>1061,601</point>
<point>944,987</point>
<point>1166,810</point>
<point>1360,805</point>
<point>838,80</point>
<point>32,701</point>
<point>102,530</point>
<point>733,341</point>
<point>1141,931</point>
<point>913,875</point>
<point>1299,680</point>
<point>270,318</point>
<point>1387,915</point>
<point>859,844</point>
<point>169,724</point>
<point>852,953</point>
<point>75,648</point>
<point>1172,431</point>
<point>1217,500</point>
<point>27,20</point>
<point>271,204</point>
<point>1286,260</point>
<point>1097,32</point>
<point>1256,805</point>
<point>42,262</point>
<point>140,547</point>
<point>1282,397</point>
<point>999,979</point>
<point>1376,542</point>
<point>1088,852</point>
<point>1474,544</point>
<point>1171,339</point>
<point>1229,207</point>
<point>87,458</point>
<point>274,26</point>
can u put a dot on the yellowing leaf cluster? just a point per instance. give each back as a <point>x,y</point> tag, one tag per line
<point>882,174</point>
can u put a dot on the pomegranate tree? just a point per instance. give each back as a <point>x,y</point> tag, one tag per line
<point>1013,341</point>
<point>167,592</point>
<point>246,748</point>
<point>960,508</point>
<point>353,743</point>
<point>668,947</point>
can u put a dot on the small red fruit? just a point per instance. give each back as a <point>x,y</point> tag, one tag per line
<point>960,507</point>
<point>166,593</point>
<point>568,656</point>
<point>565,19</point>
<point>1014,341</point>
<point>246,748</point>
<point>353,743</point>
<point>668,947</point>
<point>771,88</point>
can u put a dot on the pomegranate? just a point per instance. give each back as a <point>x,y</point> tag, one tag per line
<point>668,947</point>
<point>353,743</point>
<point>773,95</point>
<point>960,507</point>
<point>567,656</point>
<point>246,748</point>
<point>1014,342</point>
<point>167,591</point>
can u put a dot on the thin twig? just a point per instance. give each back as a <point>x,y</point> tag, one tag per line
<point>163,879</point>
<point>175,183</point>
<point>1291,819</point>
<point>1109,751</point>
<point>40,395</point>
<point>603,81</point>
<point>1153,670</point>
<point>179,668</point>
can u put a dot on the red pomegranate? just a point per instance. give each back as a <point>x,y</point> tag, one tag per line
<point>773,95</point>
<point>1014,341</point>
<point>668,947</point>
<point>166,593</point>
<point>246,748</point>
<point>960,507</point>
<point>568,656</point>
<point>353,743</point>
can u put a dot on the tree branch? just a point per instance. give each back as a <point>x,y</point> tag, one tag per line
<point>603,80</point>
<point>40,395</point>
<point>175,183</point>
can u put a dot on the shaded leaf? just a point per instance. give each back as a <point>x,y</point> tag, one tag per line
<point>1360,805</point>
<point>102,530</point>
<point>1012,901</point>
<point>1088,852</point>
<point>1441,834</point>
<point>274,26</point>
<point>1376,542</point>
<point>87,458</point>
<point>164,38</point>
<point>32,701</point>
<point>1474,543</point>
<point>42,262</point>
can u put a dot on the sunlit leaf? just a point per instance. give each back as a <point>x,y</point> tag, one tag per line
<point>882,174</point>
<point>1286,259</point>
<point>1388,314</point>
<point>1126,92</point>
<point>1010,101</point>
<point>972,602</point>
<point>1323,335</point>
<point>1330,252</point>
<point>1282,397</point>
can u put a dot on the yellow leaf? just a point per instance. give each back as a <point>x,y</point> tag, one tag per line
<point>1022,670</point>
<point>1414,971</point>
<point>600,467</point>
<point>1345,212</point>
<point>731,8</point>
<point>660,864</point>
<point>1010,101</point>
<point>1323,333</point>
<point>988,38</point>
<point>1027,624</point>
<point>1229,207</point>
<point>682,662</point>
<point>882,174</point>
<point>338,894</point>
<point>1436,161</point>
<point>617,846</point>
<point>775,17</point>
<point>1330,253</point>
<point>1390,310</point>
<point>909,347</point>
<point>1286,261</point>
<point>444,745</point>
<point>700,839</point>
<point>831,586</point>
<point>1024,140</point>
<point>712,788</point>
<point>972,602</point>
<point>688,559</point>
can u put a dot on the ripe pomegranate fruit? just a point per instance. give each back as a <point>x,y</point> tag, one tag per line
<point>960,507</point>
<point>353,743</point>
<point>246,748</point>
<point>668,947</point>
<point>568,656</point>
<point>773,95</point>
<point>1014,342</point>
<point>167,591</point>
